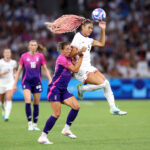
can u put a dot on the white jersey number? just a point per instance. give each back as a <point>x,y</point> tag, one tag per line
<point>33,65</point>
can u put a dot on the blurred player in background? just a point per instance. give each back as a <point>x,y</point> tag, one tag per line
<point>7,72</point>
<point>88,74</point>
<point>58,93</point>
<point>31,63</point>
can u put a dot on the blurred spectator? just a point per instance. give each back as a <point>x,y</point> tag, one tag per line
<point>127,50</point>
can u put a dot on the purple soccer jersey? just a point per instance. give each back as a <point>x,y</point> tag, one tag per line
<point>58,88</point>
<point>31,78</point>
<point>32,67</point>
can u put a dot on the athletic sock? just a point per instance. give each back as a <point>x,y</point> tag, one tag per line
<point>109,95</point>
<point>8,107</point>
<point>71,116</point>
<point>92,87</point>
<point>107,91</point>
<point>28,111</point>
<point>49,124</point>
<point>35,113</point>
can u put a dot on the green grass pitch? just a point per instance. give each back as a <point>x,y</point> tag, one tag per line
<point>95,128</point>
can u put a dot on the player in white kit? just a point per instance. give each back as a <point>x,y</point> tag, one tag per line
<point>88,74</point>
<point>7,71</point>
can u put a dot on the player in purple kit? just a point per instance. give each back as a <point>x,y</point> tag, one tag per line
<point>58,94</point>
<point>31,63</point>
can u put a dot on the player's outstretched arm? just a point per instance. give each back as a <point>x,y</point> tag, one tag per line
<point>101,41</point>
<point>47,74</point>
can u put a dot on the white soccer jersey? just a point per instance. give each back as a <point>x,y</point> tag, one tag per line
<point>7,67</point>
<point>79,41</point>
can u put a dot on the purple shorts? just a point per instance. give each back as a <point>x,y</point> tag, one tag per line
<point>55,94</point>
<point>34,89</point>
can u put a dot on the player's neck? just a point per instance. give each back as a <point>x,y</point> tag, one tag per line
<point>32,53</point>
<point>83,34</point>
<point>7,59</point>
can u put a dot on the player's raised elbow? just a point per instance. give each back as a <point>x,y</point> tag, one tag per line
<point>99,43</point>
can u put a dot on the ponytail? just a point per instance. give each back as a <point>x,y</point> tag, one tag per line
<point>41,48</point>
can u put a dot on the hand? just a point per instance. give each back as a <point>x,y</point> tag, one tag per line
<point>49,82</point>
<point>14,88</point>
<point>74,60</point>
<point>83,49</point>
<point>102,25</point>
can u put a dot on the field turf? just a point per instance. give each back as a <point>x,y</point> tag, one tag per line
<point>95,127</point>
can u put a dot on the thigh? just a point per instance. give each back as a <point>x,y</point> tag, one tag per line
<point>100,75</point>
<point>36,98</point>
<point>72,102</point>
<point>9,94</point>
<point>27,95</point>
<point>56,107</point>
<point>95,78</point>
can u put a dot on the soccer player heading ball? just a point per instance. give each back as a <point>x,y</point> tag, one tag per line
<point>87,73</point>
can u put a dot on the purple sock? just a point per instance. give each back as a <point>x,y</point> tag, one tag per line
<point>71,117</point>
<point>49,124</point>
<point>28,111</point>
<point>35,113</point>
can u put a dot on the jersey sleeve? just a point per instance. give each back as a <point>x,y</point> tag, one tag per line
<point>62,60</point>
<point>21,61</point>
<point>75,41</point>
<point>91,41</point>
<point>43,61</point>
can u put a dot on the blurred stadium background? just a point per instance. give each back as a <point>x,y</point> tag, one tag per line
<point>125,61</point>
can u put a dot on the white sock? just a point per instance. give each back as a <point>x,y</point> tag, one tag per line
<point>29,123</point>
<point>44,134</point>
<point>8,107</point>
<point>3,107</point>
<point>92,87</point>
<point>67,127</point>
<point>107,91</point>
<point>34,124</point>
<point>109,95</point>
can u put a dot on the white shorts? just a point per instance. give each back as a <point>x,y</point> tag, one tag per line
<point>83,73</point>
<point>6,87</point>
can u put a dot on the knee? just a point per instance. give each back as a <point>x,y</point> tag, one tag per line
<point>57,114</point>
<point>77,107</point>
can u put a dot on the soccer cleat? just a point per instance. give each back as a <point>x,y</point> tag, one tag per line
<point>3,113</point>
<point>30,128</point>
<point>44,140</point>
<point>36,128</point>
<point>117,111</point>
<point>68,133</point>
<point>6,119</point>
<point>80,93</point>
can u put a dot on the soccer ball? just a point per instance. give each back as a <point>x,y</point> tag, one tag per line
<point>98,15</point>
